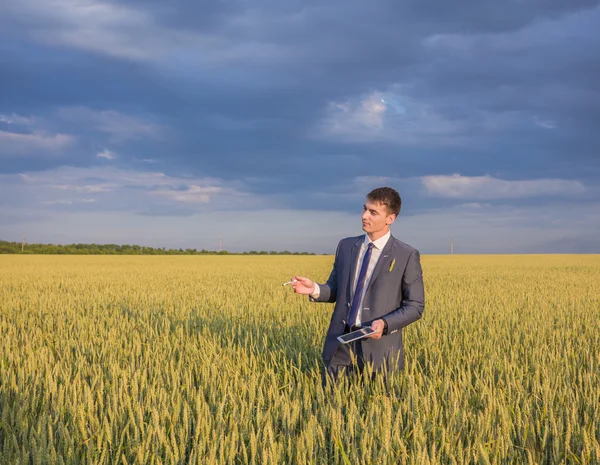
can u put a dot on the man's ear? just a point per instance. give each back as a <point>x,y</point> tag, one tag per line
<point>390,219</point>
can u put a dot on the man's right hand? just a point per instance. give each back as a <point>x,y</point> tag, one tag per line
<point>303,285</point>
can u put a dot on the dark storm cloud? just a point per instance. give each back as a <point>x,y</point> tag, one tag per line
<point>240,118</point>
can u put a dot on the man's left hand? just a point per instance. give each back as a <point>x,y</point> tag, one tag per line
<point>378,326</point>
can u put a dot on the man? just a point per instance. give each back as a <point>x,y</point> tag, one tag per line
<point>376,281</point>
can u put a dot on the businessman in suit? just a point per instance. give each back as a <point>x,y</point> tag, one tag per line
<point>376,281</point>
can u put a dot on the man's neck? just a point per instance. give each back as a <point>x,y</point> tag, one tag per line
<point>377,235</point>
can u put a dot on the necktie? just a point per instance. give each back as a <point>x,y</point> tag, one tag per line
<point>360,284</point>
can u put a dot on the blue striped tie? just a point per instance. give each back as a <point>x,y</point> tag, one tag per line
<point>360,284</point>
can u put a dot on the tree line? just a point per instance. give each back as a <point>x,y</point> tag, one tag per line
<point>7,247</point>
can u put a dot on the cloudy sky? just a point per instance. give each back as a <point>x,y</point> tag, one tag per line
<point>171,123</point>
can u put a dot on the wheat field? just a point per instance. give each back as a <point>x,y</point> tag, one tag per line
<point>208,359</point>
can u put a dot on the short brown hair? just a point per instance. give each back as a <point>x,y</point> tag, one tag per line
<point>388,197</point>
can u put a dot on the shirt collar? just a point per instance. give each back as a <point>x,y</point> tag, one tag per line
<point>379,243</point>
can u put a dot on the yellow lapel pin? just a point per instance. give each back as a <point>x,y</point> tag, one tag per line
<point>392,264</point>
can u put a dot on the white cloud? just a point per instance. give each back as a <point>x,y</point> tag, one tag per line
<point>30,136</point>
<point>193,193</point>
<point>487,187</point>
<point>86,24</point>
<point>13,143</point>
<point>106,154</point>
<point>368,181</point>
<point>16,120</point>
<point>403,121</point>
<point>118,126</point>
<point>364,117</point>
<point>122,31</point>
<point>475,205</point>
<point>67,202</point>
<point>56,202</point>
<point>91,188</point>
<point>115,188</point>
<point>546,124</point>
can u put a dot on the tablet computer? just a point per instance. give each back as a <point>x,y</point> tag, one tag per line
<point>355,335</point>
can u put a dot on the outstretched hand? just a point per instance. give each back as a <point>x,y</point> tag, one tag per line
<point>302,285</point>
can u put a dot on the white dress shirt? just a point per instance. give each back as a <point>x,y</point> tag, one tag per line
<point>378,246</point>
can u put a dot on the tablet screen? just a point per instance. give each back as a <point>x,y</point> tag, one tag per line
<point>354,335</point>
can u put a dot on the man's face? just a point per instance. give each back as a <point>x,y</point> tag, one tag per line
<point>376,218</point>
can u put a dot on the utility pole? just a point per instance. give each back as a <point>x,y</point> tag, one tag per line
<point>451,244</point>
<point>221,242</point>
<point>23,242</point>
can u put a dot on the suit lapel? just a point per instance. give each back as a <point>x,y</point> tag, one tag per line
<point>353,259</point>
<point>385,259</point>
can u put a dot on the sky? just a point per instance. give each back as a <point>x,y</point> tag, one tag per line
<point>172,124</point>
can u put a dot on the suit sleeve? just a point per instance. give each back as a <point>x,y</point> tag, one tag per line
<point>328,291</point>
<point>413,296</point>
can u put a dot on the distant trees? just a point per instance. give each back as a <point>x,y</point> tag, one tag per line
<point>115,249</point>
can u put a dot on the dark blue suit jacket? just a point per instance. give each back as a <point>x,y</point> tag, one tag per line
<point>395,293</point>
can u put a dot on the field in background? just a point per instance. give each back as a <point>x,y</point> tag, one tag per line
<point>210,360</point>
